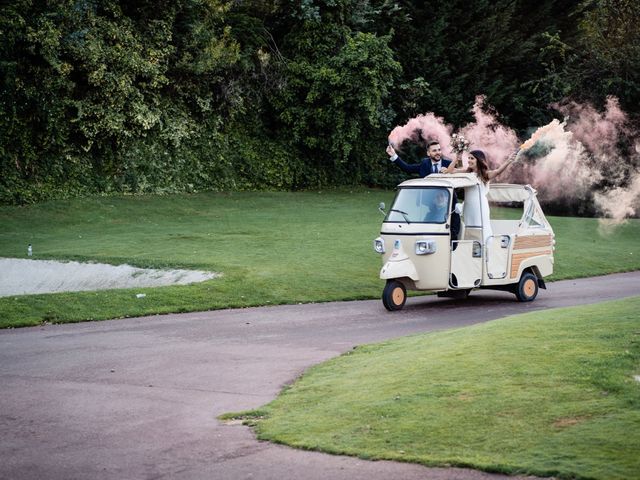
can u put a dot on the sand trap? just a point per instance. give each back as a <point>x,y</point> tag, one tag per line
<point>23,277</point>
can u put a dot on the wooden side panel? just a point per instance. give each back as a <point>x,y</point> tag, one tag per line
<point>518,258</point>
<point>523,246</point>
<point>532,241</point>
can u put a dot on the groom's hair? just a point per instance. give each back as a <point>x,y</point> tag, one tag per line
<point>432,142</point>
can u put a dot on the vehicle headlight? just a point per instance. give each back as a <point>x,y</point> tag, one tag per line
<point>425,247</point>
<point>378,245</point>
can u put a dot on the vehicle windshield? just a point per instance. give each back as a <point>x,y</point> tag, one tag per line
<point>420,205</point>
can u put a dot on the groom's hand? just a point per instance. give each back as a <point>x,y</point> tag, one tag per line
<point>392,153</point>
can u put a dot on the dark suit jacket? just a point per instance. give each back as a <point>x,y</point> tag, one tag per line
<point>423,168</point>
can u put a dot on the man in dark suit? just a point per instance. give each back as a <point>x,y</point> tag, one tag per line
<point>434,162</point>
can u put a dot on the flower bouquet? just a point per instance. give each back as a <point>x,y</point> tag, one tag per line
<point>459,144</point>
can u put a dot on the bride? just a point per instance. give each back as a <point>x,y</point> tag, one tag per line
<point>476,208</point>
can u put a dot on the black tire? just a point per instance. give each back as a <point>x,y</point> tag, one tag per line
<point>527,289</point>
<point>394,295</point>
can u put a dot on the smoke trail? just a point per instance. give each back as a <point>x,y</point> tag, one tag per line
<point>618,204</point>
<point>423,128</point>
<point>556,164</point>
<point>590,153</point>
<point>613,156</point>
<point>598,132</point>
<point>489,135</point>
<point>607,136</point>
<point>592,156</point>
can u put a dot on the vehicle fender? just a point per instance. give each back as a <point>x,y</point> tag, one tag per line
<point>399,269</point>
<point>543,265</point>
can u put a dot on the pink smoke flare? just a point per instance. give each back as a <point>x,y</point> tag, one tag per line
<point>562,174</point>
<point>428,126</point>
<point>583,151</point>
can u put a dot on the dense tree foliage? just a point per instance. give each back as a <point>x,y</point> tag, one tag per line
<point>152,96</point>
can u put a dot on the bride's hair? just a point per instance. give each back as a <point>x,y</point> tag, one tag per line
<point>481,162</point>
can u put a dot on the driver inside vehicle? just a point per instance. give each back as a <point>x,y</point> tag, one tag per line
<point>438,208</point>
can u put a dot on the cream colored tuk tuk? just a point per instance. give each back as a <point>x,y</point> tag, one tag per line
<point>418,252</point>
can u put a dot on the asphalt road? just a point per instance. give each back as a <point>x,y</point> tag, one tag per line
<point>138,398</point>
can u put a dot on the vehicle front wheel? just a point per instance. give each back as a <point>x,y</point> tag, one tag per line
<point>394,295</point>
<point>527,289</point>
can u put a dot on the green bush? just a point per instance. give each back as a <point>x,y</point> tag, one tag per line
<point>183,95</point>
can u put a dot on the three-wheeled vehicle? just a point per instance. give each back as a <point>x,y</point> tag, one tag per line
<point>418,252</point>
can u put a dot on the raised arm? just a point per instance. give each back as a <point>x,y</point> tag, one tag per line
<point>452,166</point>
<point>407,167</point>
<point>494,173</point>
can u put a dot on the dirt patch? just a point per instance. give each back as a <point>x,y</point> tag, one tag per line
<point>569,421</point>
<point>24,277</point>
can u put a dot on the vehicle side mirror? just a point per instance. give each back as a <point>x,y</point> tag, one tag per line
<point>381,208</point>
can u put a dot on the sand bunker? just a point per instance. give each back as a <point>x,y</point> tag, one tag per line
<point>23,277</point>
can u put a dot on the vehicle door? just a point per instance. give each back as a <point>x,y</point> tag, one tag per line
<point>466,255</point>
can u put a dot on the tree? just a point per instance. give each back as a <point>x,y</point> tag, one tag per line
<point>610,42</point>
<point>336,81</point>
<point>85,84</point>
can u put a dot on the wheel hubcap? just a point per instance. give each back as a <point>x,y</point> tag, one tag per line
<point>397,295</point>
<point>529,288</point>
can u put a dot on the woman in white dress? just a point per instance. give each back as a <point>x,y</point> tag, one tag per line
<point>476,207</point>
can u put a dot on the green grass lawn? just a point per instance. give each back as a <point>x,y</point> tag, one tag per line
<point>271,248</point>
<point>545,393</point>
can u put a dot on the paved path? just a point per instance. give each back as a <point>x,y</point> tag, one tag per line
<point>138,398</point>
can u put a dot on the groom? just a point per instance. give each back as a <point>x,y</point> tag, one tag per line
<point>434,162</point>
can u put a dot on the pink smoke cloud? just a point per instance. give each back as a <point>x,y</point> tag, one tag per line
<point>597,131</point>
<point>613,144</point>
<point>489,135</point>
<point>577,156</point>
<point>618,204</point>
<point>563,173</point>
<point>600,133</point>
<point>581,152</point>
<point>423,127</point>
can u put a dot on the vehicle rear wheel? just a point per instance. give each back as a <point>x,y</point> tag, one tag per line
<point>527,289</point>
<point>394,295</point>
